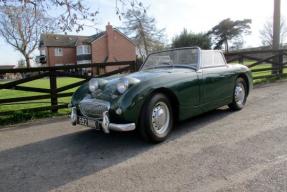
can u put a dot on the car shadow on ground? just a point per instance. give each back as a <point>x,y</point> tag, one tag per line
<point>51,163</point>
<point>195,123</point>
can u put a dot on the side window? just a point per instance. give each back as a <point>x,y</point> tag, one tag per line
<point>218,59</point>
<point>211,59</point>
<point>58,52</point>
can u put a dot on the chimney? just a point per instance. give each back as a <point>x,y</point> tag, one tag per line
<point>110,38</point>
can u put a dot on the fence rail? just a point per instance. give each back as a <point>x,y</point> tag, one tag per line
<point>271,63</point>
<point>53,92</point>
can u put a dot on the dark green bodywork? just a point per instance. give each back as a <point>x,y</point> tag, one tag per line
<point>191,91</point>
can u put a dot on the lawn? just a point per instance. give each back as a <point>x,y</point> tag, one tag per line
<point>40,83</point>
<point>261,73</point>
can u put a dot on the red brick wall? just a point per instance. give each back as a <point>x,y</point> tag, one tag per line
<point>69,56</point>
<point>122,48</point>
<point>99,50</point>
<point>114,46</point>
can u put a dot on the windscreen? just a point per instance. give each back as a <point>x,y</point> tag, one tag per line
<point>179,57</point>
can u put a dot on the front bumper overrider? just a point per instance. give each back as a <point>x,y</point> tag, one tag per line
<point>103,122</point>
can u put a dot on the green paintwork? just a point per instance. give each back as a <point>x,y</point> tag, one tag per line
<point>196,91</point>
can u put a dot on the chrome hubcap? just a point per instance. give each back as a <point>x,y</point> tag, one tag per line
<point>239,94</point>
<point>160,118</point>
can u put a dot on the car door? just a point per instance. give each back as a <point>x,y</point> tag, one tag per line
<point>215,83</point>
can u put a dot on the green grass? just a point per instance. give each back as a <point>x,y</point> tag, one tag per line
<point>261,73</point>
<point>29,114</point>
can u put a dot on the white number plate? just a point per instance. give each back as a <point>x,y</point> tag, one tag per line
<point>83,121</point>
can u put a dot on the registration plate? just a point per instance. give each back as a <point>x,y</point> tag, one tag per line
<point>89,122</point>
<point>83,121</point>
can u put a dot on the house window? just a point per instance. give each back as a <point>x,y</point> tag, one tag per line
<point>83,50</point>
<point>58,52</point>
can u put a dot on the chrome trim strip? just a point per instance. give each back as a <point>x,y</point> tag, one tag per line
<point>107,126</point>
<point>122,127</point>
<point>73,116</point>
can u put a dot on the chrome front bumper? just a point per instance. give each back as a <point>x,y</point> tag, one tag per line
<point>104,122</point>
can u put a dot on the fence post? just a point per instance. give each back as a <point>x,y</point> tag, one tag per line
<point>98,70</point>
<point>92,70</point>
<point>53,91</point>
<point>138,64</point>
<point>280,63</point>
<point>133,66</point>
<point>241,59</point>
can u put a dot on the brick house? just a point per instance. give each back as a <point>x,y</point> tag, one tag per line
<point>107,46</point>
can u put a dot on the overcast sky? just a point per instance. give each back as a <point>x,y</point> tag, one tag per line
<point>195,15</point>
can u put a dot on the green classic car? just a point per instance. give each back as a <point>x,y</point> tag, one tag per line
<point>171,86</point>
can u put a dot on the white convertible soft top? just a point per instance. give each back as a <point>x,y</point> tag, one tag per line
<point>211,58</point>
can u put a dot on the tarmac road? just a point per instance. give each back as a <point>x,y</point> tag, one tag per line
<point>218,151</point>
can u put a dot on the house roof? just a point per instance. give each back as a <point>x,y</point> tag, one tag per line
<point>96,36</point>
<point>58,40</point>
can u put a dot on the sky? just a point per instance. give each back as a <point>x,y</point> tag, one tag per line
<point>194,15</point>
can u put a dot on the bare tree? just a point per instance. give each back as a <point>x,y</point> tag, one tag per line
<point>266,34</point>
<point>22,21</point>
<point>70,14</point>
<point>21,27</point>
<point>142,29</point>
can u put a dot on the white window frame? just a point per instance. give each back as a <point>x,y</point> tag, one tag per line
<point>58,52</point>
<point>84,62</point>
<point>83,50</point>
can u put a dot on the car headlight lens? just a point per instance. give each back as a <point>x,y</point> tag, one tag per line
<point>122,85</point>
<point>93,85</point>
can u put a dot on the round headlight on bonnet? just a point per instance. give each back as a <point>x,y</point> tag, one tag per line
<point>93,85</point>
<point>122,85</point>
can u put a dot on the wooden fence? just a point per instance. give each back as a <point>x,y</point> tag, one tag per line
<point>264,64</point>
<point>54,92</point>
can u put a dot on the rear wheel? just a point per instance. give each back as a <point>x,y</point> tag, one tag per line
<point>156,121</point>
<point>239,95</point>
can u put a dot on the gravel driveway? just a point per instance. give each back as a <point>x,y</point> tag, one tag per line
<point>218,151</point>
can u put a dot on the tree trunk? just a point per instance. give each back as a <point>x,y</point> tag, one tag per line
<point>145,45</point>
<point>226,46</point>
<point>144,38</point>
<point>27,59</point>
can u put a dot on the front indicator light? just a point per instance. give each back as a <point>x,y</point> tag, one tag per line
<point>122,85</point>
<point>119,111</point>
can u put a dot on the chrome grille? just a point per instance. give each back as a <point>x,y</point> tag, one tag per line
<point>93,107</point>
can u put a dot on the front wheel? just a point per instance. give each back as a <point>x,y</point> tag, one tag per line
<point>239,95</point>
<point>156,121</point>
